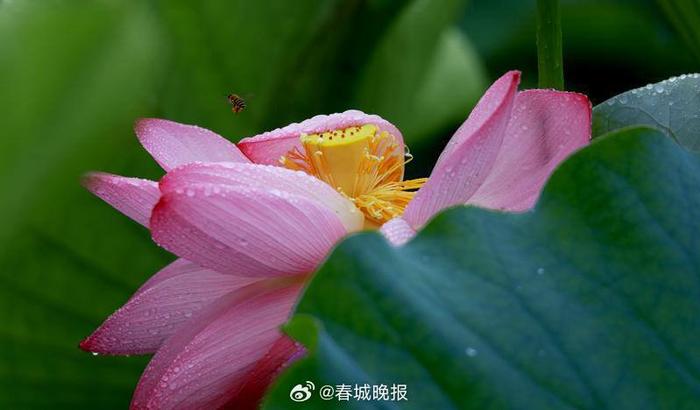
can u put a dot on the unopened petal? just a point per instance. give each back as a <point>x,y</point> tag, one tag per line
<point>173,144</point>
<point>157,310</point>
<point>245,231</point>
<point>269,147</point>
<point>134,197</point>
<point>546,126</point>
<point>469,156</point>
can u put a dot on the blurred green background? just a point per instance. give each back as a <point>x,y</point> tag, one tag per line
<point>74,75</point>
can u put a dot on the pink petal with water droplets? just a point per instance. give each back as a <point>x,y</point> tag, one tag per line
<point>208,362</point>
<point>267,148</point>
<point>267,177</point>
<point>134,197</point>
<point>245,231</point>
<point>158,309</point>
<point>282,353</point>
<point>173,144</point>
<point>469,156</point>
<point>546,126</point>
<point>397,231</point>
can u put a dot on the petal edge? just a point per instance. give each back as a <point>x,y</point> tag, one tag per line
<point>546,127</point>
<point>470,155</point>
<point>159,308</point>
<point>173,144</point>
<point>134,197</point>
<point>245,231</point>
<point>206,364</point>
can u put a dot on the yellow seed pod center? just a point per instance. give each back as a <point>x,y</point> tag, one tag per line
<point>363,163</point>
<point>339,154</point>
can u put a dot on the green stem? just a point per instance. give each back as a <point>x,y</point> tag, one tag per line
<point>549,55</point>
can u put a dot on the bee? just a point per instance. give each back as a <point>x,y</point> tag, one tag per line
<point>237,103</point>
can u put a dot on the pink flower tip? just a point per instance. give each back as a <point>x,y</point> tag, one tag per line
<point>87,345</point>
<point>89,179</point>
<point>95,344</point>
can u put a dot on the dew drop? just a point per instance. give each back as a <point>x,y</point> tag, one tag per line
<point>471,352</point>
<point>540,271</point>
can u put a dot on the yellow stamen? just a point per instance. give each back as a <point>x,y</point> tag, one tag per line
<point>363,164</point>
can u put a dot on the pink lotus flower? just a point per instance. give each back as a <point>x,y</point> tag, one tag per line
<point>251,222</point>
